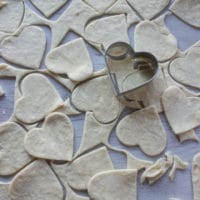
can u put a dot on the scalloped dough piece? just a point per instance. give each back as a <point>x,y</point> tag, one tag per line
<point>72,59</point>
<point>122,7</point>
<point>94,133</point>
<point>185,69</point>
<point>54,141</point>
<point>156,39</point>
<point>13,156</point>
<point>48,7</point>
<point>33,106</point>
<point>29,44</point>
<point>114,185</point>
<point>105,31</point>
<point>36,182</point>
<point>196,176</point>
<point>148,8</point>
<point>11,14</point>
<point>97,95</point>
<point>187,10</point>
<point>81,170</point>
<point>4,192</point>
<point>143,128</point>
<point>182,112</point>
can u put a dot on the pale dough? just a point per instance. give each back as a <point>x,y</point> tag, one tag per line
<point>74,18</point>
<point>114,185</point>
<point>11,15</point>
<point>158,169</point>
<point>182,112</point>
<point>1,91</point>
<point>185,69</point>
<point>4,194</point>
<point>162,44</point>
<point>72,59</point>
<point>187,10</point>
<point>97,95</point>
<point>29,44</point>
<point>48,7</point>
<point>54,141</point>
<point>178,164</point>
<point>13,156</point>
<point>143,128</point>
<point>81,170</point>
<point>148,9</point>
<point>122,7</point>
<point>94,133</point>
<point>189,135</point>
<point>196,176</point>
<point>39,99</point>
<point>103,32</point>
<point>36,182</point>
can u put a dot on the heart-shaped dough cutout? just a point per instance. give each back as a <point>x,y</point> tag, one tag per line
<point>81,170</point>
<point>36,182</point>
<point>11,15</point>
<point>114,185</point>
<point>186,68</point>
<point>38,100</point>
<point>97,95</point>
<point>29,46</point>
<point>182,112</point>
<point>148,8</point>
<point>71,59</point>
<point>105,31</point>
<point>13,156</point>
<point>162,44</point>
<point>48,7</point>
<point>143,128</point>
<point>187,10</point>
<point>54,141</point>
<point>100,6</point>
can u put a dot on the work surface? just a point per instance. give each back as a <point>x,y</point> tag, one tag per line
<point>181,187</point>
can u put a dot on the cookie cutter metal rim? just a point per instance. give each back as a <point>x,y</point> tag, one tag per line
<point>134,54</point>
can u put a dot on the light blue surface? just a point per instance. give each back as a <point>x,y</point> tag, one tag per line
<point>181,188</point>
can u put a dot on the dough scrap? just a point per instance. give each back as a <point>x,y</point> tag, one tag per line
<point>13,156</point>
<point>30,43</point>
<point>61,171</point>
<point>182,112</point>
<point>2,4</point>
<point>81,170</point>
<point>187,10</point>
<point>143,128</point>
<point>189,135</point>
<point>196,177</point>
<point>1,91</point>
<point>114,185</point>
<point>48,7</point>
<point>158,169</point>
<point>151,93</point>
<point>185,69</point>
<point>74,18</point>
<point>122,7</point>
<point>94,133</point>
<point>100,6</point>
<point>38,100</point>
<point>97,95</point>
<point>4,190</point>
<point>11,15</point>
<point>72,59</point>
<point>105,31</point>
<point>178,164</point>
<point>148,9</point>
<point>54,141</point>
<point>36,182</point>
<point>162,44</point>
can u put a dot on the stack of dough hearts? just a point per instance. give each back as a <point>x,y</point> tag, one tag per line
<point>67,125</point>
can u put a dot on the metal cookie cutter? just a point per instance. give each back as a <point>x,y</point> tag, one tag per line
<point>129,70</point>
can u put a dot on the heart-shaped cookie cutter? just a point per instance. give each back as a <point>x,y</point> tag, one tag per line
<point>129,70</point>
